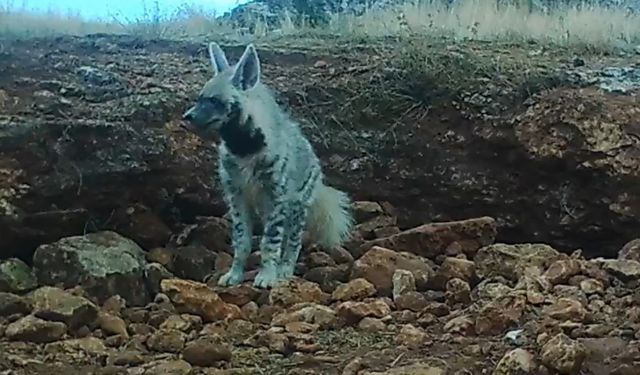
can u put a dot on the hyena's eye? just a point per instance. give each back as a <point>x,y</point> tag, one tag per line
<point>215,103</point>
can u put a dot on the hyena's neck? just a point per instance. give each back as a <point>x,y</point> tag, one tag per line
<point>241,136</point>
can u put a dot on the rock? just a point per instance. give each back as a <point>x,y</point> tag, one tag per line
<point>562,270</point>
<point>183,323</point>
<point>213,233</point>
<point>431,240</point>
<point>88,345</point>
<point>379,264</point>
<point>403,282</point>
<point>296,291</point>
<point>322,316</point>
<point>415,369</point>
<point>341,255</point>
<point>251,310</point>
<point>160,255</point>
<point>402,317</point>
<point>353,367</point>
<point>196,298</point>
<point>371,325</point>
<point>352,312</point>
<point>489,290</point>
<point>154,274</point>
<point>455,268</point>
<point>426,319</point>
<point>510,261</point>
<point>58,305</point>
<point>104,263</point>
<point>374,228</point>
<point>167,340</point>
<point>206,352</point>
<point>114,305</point>
<point>33,329</point>
<point>630,251</point>
<point>411,337</point>
<point>112,325</point>
<point>127,358</point>
<point>192,262</point>
<point>301,327</point>
<point>328,277</point>
<point>267,312</point>
<point>238,295</point>
<point>414,301</point>
<point>356,289</point>
<point>235,331</point>
<point>457,291</point>
<point>437,308</point>
<point>591,286</point>
<point>515,362</point>
<point>462,325</point>
<point>169,367</point>
<point>563,355</point>
<point>141,224</point>
<point>500,314</point>
<point>386,231</point>
<point>273,338</point>
<point>625,270</point>
<point>11,304</point>
<point>567,309</point>
<point>16,276</point>
<point>319,259</point>
<point>365,211</point>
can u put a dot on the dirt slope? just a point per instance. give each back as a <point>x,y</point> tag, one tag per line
<point>89,137</point>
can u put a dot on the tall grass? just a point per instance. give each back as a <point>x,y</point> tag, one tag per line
<point>467,19</point>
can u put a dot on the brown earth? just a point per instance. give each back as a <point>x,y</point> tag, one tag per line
<point>90,141</point>
<point>89,136</point>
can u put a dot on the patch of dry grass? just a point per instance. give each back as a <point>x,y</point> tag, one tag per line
<point>484,20</point>
<point>468,20</point>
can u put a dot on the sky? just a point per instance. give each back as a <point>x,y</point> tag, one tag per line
<point>105,9</point>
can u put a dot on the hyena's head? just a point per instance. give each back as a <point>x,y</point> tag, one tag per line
<point>218,103</point>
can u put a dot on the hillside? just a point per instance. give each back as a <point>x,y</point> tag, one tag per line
<point>497,188</point>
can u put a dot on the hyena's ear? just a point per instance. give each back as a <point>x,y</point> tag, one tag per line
<point>218,58</point>
<point>247,70</point>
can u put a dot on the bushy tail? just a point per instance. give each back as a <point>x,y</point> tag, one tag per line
<point>330,218</point>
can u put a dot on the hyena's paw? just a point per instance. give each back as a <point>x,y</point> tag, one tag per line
<point>286,270</point>
<point>233,277</point>
<point>267,277</point>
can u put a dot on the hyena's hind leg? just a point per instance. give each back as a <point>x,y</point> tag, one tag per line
<point>296,222</point>
<point>295,225</point>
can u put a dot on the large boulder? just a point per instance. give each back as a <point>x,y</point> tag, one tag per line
<point>103,263</point>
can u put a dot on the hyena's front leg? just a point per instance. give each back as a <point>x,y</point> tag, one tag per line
<point>241,231</point>
<point>241,234</point>
<point>272,238</point>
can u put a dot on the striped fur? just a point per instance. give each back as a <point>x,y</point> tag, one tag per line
<point>268,170</point>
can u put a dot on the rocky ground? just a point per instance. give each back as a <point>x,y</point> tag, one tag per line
<point>525,161</point>
<point>436,299</point>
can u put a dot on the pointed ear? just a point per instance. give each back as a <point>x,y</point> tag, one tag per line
<point>218,58</point>
<point>247,70</point>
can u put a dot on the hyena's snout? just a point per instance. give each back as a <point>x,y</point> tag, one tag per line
<point>190,115</point>
<point>197,119</point>
<point>202,116</point>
